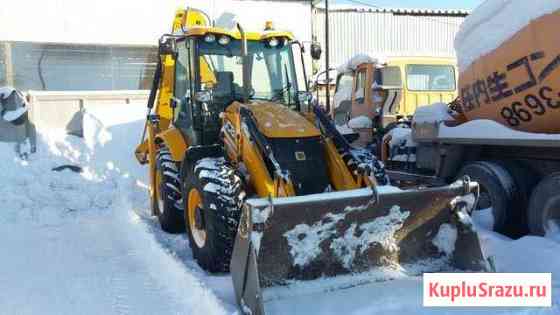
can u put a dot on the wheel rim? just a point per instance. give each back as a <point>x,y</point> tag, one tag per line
<point>194,202</point>
<point>158,194</point>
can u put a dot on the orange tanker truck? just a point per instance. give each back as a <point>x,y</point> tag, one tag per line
<point>504,130</point>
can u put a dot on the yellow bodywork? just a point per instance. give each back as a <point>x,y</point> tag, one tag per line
<point>410,100</point>
<point>281,122</point>
<point>277,121</point>
<point>273,121</point>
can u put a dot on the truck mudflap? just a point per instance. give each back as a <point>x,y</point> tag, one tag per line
<point>340,240</point>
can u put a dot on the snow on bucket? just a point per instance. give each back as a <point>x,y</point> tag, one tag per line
<point>332,241</point>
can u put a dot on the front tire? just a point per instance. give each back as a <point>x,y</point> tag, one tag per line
<point>167,201</point>
<point>213,198</point>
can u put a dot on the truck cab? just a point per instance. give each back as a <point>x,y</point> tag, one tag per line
<point>386,92</point>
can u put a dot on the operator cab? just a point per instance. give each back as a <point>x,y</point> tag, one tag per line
<point>209,77</point>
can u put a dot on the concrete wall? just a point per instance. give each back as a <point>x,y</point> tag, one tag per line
<point>64,110</point>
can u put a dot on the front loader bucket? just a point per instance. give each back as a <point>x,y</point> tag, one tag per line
<point>333,241</point>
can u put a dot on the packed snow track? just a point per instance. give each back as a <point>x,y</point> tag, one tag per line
<point>85,243</point>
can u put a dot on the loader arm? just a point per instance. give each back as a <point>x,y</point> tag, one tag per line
<point>362,173</point>
<point>281,183</point>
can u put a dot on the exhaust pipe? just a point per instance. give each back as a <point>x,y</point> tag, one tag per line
<point>244,57</point>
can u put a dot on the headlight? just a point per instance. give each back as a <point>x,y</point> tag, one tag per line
<point>224,40</point>
<point>209,38</point>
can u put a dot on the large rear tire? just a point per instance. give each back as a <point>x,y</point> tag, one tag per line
<point>213,199</point>
<point>525,181</point>
<point>167,201</point>
<point>544,206</point>
<point>497,190</point>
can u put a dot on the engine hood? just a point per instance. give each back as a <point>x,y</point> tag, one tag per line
<point>278,121</point>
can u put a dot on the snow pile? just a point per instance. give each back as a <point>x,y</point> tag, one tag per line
<point>305,240</point>
<point>360,122</point>
<point>12,115</point>
<point>89,235</point>
<point>401,146</point>
<point>432,113</point>
<point>380,231</point>
<point>493,23</point>
<point>5,91</point>
<point>18,105</point>
<point>353,63</point>
<point>344,129</point>
<point>401,136</point>
<point>259,217</point>
<point>484,129</point>
<point>445,239</point>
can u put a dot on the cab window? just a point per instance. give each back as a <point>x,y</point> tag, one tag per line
<point>430,78</point>
<point>360,89</point>
<point>183,83</point>
<point>344,82</point>
<point>391,76</point>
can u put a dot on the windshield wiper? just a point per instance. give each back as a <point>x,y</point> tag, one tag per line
<point>285,89</point>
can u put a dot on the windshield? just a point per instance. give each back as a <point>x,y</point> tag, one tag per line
<point>430,78</point>
<point>272,71</point>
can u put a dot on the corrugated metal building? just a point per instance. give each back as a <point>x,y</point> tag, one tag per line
<point>388,32</point>
<point>69,45</point>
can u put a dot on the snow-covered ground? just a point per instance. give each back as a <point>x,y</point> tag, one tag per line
<point>86,244</point>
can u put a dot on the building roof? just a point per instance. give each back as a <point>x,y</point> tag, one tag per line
<point>398,11</point>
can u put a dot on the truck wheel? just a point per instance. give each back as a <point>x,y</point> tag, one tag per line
<point>544,206</point>
<point>168,193</point>
<point>525,181</point>
<point>497,190</point>
<point>213,198</point>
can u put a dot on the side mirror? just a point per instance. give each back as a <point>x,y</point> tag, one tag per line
<point>316,51</point>
<point>168,46</point>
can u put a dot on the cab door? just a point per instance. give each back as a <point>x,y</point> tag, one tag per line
<point>362,97</point>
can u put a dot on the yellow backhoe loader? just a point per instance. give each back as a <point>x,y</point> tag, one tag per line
<point>244,160</point>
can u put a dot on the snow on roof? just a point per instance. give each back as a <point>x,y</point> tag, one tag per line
<point>358,59</point>
<point>397,11</point>
<point>504,17</point>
